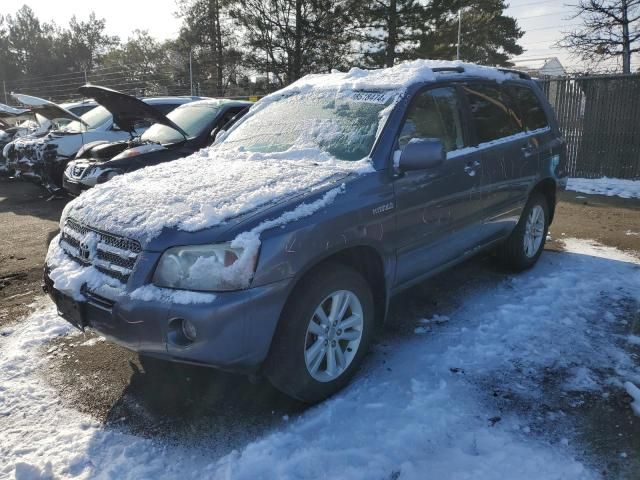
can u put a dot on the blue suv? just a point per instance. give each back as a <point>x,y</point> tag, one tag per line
<point>277,249</point>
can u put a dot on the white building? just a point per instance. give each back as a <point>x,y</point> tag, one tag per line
<point>540,67</point>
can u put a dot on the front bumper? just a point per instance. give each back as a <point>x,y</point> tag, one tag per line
<point>72,187</point>
<point>234,330</point>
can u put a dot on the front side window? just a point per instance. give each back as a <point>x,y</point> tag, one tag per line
<point>434,114</point>
<point>529,106</point>
<point>492,115</point>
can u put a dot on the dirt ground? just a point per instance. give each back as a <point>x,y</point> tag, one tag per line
<point>117,387</point>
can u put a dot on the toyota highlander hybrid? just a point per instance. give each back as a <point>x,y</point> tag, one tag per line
<point>277,249</point>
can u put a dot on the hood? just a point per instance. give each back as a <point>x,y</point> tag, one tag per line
<point>47,109</point>
<point>7,113</point>
<point>204,190</point>
<point>127,110</point>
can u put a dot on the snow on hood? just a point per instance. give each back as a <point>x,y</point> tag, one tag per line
<point>203,190</point>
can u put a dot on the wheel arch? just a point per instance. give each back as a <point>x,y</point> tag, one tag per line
<point>548,188</point>
<point>367,260</point>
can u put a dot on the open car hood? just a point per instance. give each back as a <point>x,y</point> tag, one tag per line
<point>47,109</point>
<point>127,110</point>
<point>11,113</point>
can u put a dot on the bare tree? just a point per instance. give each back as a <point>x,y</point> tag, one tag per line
<point>610,29</point>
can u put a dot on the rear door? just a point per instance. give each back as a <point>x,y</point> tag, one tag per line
<point>537,141</point>
<point>499,138</point>
<point>437,210</point>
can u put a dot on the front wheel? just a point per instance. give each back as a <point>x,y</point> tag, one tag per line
<point>525,244</point>
<point>323,335</point>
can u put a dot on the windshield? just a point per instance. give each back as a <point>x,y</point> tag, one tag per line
<point>192,119</point>
<point>94,118</point>
<point>341,123</point>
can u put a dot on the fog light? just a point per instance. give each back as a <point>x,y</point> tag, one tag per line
<point>189,330</point>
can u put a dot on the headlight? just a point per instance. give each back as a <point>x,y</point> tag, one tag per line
<point>205,268</point>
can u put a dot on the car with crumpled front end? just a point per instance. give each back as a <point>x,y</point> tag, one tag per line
<point>35,118</point>
<point>44,158</point>
<point>181,132</point>
<point>277,250</point>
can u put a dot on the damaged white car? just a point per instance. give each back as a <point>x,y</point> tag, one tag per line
<point>44,158</point>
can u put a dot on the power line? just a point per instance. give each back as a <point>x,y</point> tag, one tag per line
<point>531,3</point>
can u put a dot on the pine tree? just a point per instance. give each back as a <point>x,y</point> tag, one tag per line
<point>396,30</point>
<point>488,36</point>
<point>289,38</point>
<point>389,30</point>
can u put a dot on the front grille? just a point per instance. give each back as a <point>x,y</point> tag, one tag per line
<point>108,253</point>
<point>77,171</point>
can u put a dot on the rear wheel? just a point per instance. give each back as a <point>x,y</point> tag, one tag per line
<point>323,335</point>
<point>525,244</point>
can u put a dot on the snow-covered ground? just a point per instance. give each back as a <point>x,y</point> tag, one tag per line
<point>427,406</point>
<point>606,186</point>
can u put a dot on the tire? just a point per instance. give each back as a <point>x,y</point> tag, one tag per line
<point>298,346</point>
<point>515,253</point>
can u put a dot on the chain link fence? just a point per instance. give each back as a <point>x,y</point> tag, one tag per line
<point>64,87</point>
<point>600,118</point>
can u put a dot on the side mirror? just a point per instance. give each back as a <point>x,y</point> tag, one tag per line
<point>421,153</point>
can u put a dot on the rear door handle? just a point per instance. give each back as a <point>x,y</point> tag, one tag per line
<point>472,167</point>
<point>528,149</point>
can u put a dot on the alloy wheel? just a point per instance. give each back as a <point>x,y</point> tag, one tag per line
<point>534,231</point>
<point>333,335</point>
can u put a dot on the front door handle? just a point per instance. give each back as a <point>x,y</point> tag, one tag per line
<point>472,168</point>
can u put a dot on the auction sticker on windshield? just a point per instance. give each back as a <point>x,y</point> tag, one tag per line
<point>372,97</point>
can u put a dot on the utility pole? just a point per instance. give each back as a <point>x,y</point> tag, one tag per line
<point>459,33</point>
<point>191,71</point>
<point>4,89</point>
<point>626,44</point>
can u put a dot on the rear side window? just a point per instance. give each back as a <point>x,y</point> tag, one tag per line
<point>434,114</point>
<point>492,114</point>
<point>529,106</point>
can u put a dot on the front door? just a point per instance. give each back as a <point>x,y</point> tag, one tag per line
<point>437,209</point>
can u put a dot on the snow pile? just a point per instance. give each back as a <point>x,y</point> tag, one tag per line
<point>634,392</point>
<point>605,186</point>
<point>425,407</point>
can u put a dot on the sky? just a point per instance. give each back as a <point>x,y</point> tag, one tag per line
<point>543,20</point>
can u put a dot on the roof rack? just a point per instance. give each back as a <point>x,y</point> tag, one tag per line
<point>520,73</point>
<point>448,69</point>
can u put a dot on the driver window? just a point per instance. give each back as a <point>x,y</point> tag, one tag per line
<point>434,114</point>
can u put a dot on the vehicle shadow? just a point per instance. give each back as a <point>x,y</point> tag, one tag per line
<point>183,402</point>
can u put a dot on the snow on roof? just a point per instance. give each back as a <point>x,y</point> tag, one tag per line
<point>398,77</point>
<point>214,102</point>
